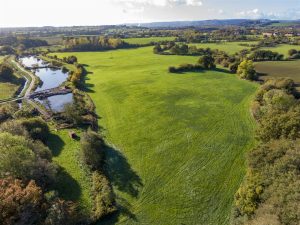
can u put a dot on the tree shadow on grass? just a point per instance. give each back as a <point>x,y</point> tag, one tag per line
<point>123,210</point>
<point>124,179</point>
<point>120,172</point>
<point>55,144</point>
<point>67,187</point>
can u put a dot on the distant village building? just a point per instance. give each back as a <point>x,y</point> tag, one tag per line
<point>268,34</point>
<point>289,35</point>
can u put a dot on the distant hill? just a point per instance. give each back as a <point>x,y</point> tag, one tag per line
<point>204,23</point>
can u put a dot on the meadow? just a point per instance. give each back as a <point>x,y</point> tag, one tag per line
<point>283,49</point>
<point>73,180</point>
<point>142,41</point>
<point>177,141</point>
<point>7,89</point>
<point>289,69</point>
<point>229,47</point>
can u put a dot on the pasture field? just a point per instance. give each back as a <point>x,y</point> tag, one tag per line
<point>7,89</point>
<point>178,141</point>
<point>74,184</point>
<point>142,41</point>
<point>1,58</point>
<point>283,49</point>
<point>290,69</point>
<point>229,47</point>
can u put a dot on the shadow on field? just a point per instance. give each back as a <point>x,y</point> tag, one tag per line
<point>121,174</point>
<point>55,144</point>
<point>124,179</point>
<point>67,187</point>
<point>88,87</point>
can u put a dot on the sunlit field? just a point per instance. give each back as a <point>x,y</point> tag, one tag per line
<point>178,141</point>
<point>229,47</point>
<point>141,41</point>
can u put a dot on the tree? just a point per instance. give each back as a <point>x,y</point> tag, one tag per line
<point>292,52</point>
<point>19,202</point>
<point>37,129</point>
<point>246,70</point>
<point>16,158</point>
<point>6,72</point>
<point>92,149</point>
<point>157,49</point>
<point>72,114</point>
<point>207,62</point>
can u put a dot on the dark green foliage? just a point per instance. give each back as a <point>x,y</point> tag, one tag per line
<point>207,62</point>
<point>179,49</point>
<point>103,196</point>
<point>7,50</point>
<point>16,158</point>
<point>92,149</point>
<point>70,59</point>
<point>37,129</point>
<point>7,111</point>
<point>157,49</point>
<point>265,55</point>
<point>294,54</point>
<point>185,68</point>
<point>93,43</point>
<point>6,72</point>
<point>72,114</point>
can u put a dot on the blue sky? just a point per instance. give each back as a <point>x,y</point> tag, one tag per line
<point>98,12</point>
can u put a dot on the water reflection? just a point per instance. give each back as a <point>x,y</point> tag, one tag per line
<point>56,103</point>
<point>51,78</point>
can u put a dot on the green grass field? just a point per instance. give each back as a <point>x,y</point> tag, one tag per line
<point>141,41</point>
<point>229,47</point>
<point>1,58</point>
<point>178,141</point>
<point>74,184</point>
<point>7,90</point>
<point>283,49</point>
<point>290,69</point>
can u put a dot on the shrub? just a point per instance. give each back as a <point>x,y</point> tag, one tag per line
<point>6,72</point>
<point>37,129</point>
<point>103,196</point>
<point>92,149</point>
<point>207,62</point>
<point>246,70</point>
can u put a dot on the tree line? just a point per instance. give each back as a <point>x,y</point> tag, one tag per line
<point>271,189</point>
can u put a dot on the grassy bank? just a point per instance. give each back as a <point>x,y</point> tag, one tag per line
<point>73,183</point>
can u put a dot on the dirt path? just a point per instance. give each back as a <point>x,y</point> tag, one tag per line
<point>33,78</point>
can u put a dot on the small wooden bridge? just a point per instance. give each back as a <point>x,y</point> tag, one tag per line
<point>49,92</point>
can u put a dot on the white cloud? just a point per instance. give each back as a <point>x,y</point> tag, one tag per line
<point>194,2</point>
<point>253,14</point>
<point>161,3</point>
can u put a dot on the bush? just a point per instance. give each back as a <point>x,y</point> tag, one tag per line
<point>276,125</point>
<point>92,150</point>
<point>103,196</point>
<point>37,129</point>
<point>6,72</point>
<point>246,70</point>
<point>185,68</point>
<point>207,62</point>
